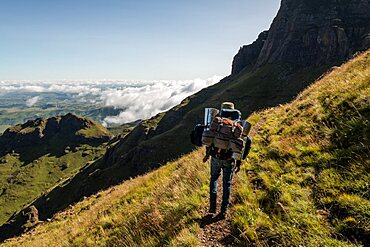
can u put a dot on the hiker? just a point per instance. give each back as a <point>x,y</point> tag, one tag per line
<point>227,143</point>
<point>223,159</point>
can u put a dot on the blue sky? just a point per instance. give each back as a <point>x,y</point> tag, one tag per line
<point>118,39</point>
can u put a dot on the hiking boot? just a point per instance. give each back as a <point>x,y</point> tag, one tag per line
<point>212,209</point>
<point>222,215</point>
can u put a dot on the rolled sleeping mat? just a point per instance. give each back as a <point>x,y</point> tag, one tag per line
<point>247,127</point>
<point>237,145</point>
<point>208,137</point>
<point>209,115</point>
<point>221,141</point>
<point>232,114</point>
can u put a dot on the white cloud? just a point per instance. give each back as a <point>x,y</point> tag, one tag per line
<point>32,101</point>
<point>139,99</point>
<point>146,101</point>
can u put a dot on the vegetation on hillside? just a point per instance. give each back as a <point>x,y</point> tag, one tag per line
<point>3,128</point>
<point>153,210</point>
<point>30,165</point>
<point>307,182</point>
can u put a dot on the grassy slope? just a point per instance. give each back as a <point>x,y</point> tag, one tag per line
<point>142,149</point>
<point>27,175</point>
<point>20,184</point>
<point>308,179</point>
<point>307,182</point>
<point>3,128</point>
<point>156,209</point>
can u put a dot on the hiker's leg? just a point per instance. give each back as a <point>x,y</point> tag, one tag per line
<point>228,172</point>
<point>215,174</point>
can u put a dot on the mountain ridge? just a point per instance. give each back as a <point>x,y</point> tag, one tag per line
<point>310,33</point>
<point>160,139</point>
<point>38,154</point>
<point>297,189</point>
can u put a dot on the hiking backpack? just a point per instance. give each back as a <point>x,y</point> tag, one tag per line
<point>224,134</point>
<point>196,135</point>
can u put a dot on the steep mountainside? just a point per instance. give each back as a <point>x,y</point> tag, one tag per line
<point>36,155</point>
<point>285,60</point>
<point>278,74</point>
<point>306,183</point>
<point>310,33</point>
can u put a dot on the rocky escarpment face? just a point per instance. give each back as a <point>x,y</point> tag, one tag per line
<point>248,54</point>
<point>312,32</point>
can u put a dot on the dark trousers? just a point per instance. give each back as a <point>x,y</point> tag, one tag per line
<point>227,168</point>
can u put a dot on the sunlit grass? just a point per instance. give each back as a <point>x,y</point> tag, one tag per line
<point>306,184</point>
<point>160,208</point>
<point>308,178</point>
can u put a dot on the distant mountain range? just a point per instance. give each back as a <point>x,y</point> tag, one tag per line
<point>306,184</point>
<point>305,40</point>
<point>40,153</point>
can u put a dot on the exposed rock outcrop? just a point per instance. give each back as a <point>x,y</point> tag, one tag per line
<point>305,32</point>
<point>311,32</point>
<point>248,54</point>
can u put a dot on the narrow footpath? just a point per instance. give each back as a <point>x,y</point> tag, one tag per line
<point>216,231</point>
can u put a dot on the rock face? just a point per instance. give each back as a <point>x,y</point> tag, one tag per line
<point>311,33</point>
<point>305,32</point>
<point>248,54</point>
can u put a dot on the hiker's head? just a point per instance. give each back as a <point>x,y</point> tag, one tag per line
<point>228,111</point>
<point>227,106</point>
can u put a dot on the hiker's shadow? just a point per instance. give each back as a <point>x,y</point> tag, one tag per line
<point>209,219</point>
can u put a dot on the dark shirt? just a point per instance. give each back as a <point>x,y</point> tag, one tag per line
<point>220,154</point>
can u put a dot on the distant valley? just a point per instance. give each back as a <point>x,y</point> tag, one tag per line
<point>304,84</point>
<point>111,103</point>
<point>15,107</point>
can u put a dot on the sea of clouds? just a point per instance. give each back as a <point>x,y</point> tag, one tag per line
<point>138,99</point>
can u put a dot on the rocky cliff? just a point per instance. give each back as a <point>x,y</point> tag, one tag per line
<point>248,54</point>
<point>305,39</point>
<point>310,32</point>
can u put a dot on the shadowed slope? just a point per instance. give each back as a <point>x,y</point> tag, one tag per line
<point>306,182</point>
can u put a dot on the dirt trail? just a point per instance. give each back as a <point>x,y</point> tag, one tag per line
<point>216,231</point>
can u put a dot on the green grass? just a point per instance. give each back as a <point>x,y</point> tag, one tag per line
<point>22,183</point>
<point>3,128</point>
<point>29,171</point>
<point>157,209</point>
<point>306,183</point>
<point>123,129</point>
<point>94,131</point>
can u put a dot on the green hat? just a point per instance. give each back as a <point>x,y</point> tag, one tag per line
<point>227,105</point>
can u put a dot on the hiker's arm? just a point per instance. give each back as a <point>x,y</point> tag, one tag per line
<point>237,166</point>
<point>206,157</point>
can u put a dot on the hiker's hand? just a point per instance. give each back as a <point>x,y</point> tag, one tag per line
<point>205,159</point>
<point>238,164</point>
